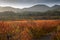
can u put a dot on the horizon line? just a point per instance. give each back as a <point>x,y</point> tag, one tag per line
<point>26,6</point>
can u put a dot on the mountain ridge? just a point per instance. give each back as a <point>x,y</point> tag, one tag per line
<point>34,8</point>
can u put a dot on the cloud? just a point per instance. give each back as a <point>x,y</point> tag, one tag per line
<point>27,2</point>
<point>31,1</point>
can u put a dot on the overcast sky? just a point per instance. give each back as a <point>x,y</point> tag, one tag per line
<point>27,3</point>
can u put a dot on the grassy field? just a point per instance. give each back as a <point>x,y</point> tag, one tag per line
<point>30,30</point>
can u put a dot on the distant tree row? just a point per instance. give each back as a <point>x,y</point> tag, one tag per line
<point>29,15</point>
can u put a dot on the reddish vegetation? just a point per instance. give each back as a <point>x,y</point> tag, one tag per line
<point>16,26</point>
<point>9,25</point>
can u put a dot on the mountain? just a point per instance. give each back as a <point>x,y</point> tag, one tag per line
<point>55,7</point>
<point>2,9</point>
<point>35,8</point>
<point>42,8</point>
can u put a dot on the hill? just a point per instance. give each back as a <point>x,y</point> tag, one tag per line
<point>34,8</point>
<point>2,9</point>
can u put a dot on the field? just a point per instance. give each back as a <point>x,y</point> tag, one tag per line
<point>30,30</point>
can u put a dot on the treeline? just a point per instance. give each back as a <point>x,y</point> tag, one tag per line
<point>48,13</point>
<point>29,15</point>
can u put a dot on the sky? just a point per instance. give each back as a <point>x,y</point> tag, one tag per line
<point>27,3</point>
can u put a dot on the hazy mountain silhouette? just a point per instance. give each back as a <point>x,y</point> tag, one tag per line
<point>55,7</point>
<point>35,8</point>
<point>42,8</point>
<point>2,9</point>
